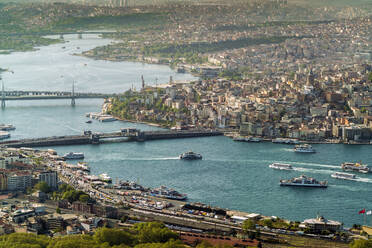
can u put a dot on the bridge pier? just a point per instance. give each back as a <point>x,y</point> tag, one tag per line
<point>2,96</point>
<point>2,103</point>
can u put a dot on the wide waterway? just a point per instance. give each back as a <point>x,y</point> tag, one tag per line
<point>232,174</point>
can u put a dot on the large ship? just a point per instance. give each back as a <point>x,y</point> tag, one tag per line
<point>280,166</point>
<point>73,155</point>
<point>358,167</point>
<point>305,148</point>
<point>304,181</point>
<point>7,127</point>
<point>164,192</point>
<point>190,156</point>
<point>4,135</point>
<point>345,176</point>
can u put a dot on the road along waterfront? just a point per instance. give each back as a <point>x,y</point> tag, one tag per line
<point>233,175</point>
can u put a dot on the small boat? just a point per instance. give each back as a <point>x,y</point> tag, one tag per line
<point>83,166</point>
<point>304,181</point>
<point>88,121</point>
<point>305,148</point>
<point>7,127</point>
<point>73,155</point>
<point>190,156</point>
<point>279,166</point>
<point>4,135</point>
<point>345,176</point>
<point>105,178</point>
<point>358,167</point>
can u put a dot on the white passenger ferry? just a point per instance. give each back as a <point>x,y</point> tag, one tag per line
<point>345,176</point>
<point>358,167</point>
<point>304,148</point>
<point>279,166</point>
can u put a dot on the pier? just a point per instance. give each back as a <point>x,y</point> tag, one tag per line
<point>124,135</point>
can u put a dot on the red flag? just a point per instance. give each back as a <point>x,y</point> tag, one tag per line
<point>363,211</point>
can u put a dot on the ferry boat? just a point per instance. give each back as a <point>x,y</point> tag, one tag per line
<point>345,176</point>
<point>358,167</point>
<point>285,141</point>
<point>305,148</point>
<point>164,192</point>
<point>7,127</point>
<point>304,181</point>
<point>73,155</point>
<point>4,135</point>
<point>190,156</point>
<point>279,166</point>
<point>105,178</point>
<point>255,139</point>
<point>247,139</point>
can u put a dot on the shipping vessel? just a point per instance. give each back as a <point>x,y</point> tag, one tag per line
<point>358,167</point>
<point>304,181</point>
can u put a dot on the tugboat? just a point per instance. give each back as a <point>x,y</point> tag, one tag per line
<point>358,167</point>
<point>73,155</point>
<point>164,192</point>
<point>305,148</point>
<point>304,181</point>
<point>279,166</point>
<point>190,156</point>
<point>345,176</point>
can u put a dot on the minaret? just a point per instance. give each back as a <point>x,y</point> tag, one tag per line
<point>73,94</point>
<point>143,82</point>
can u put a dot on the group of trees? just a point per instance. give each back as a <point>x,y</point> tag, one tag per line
<point>142,235</point>
<point>67,192</point>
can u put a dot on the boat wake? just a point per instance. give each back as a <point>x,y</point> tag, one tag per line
<point>313,170</point>
<point>152,159</point>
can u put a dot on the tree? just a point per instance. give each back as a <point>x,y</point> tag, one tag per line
<point>42,186</point>
<point>370,77</point>
<point>248,225</point>
<point>153,232</point>
<point>84,198</point>
<point>113,237</point>
<point>58,210</point>
<point>361,243</point>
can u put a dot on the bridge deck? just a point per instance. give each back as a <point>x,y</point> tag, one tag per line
<point>96,138</point>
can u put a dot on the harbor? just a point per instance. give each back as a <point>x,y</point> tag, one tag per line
<point>233,175</point>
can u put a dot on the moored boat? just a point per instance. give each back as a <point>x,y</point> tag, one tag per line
<point>105,178</point>
<point>358,167</point>
<point>304,148</point>
<point>164,192</point>
<point>190,156</point>
<point>345,176</point>
<point>73,155</point>
<point>304,181</point>
<point>279,166</point>
<point>4,135</point>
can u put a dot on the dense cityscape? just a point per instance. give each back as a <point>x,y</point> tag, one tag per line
<point>273,71</point>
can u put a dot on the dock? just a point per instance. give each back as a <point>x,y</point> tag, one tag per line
<point>124,135</point>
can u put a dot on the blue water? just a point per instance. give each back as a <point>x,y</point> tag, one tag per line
<point>232,175</point>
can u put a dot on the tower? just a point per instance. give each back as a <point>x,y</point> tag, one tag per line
<point>310,78</point>
<point>73,94</point>
<point>2,95</point>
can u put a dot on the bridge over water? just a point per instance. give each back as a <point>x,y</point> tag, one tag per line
<point>48,95</point>
<point>120,136</point>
